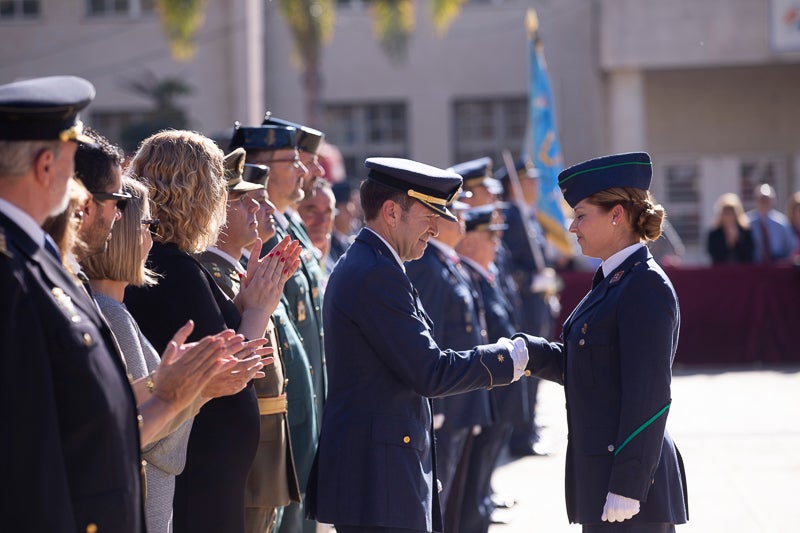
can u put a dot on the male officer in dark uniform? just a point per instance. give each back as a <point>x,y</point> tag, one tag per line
<point>458,323</point>
<point>375,468</point>
<point>526,262</point>
<point>70,450</point>
<point>478,250</point>
<point>276,147</point>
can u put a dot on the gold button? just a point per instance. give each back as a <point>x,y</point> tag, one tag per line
<point>87,339</point>
<point>91,528</point>
<point>406,439</point>
<point>611,447</point>
<point>469,328</point>
<point>581,342</point>
<point>140,420</point>
<point>527,373</point>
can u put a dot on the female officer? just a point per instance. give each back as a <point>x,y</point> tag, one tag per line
<point>623,472</point>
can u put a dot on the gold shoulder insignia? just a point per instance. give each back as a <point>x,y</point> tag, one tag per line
<point>3,245</point>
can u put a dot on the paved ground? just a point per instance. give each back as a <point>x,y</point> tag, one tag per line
<point>738,431</point>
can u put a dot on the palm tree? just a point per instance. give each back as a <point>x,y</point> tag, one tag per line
<point>311,24</point>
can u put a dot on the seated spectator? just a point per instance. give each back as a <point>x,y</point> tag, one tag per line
<point>773,238</point>
<point>730,239</point>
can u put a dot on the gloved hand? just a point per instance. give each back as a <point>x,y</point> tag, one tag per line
<point>619,508</point>
<point>518,349</point>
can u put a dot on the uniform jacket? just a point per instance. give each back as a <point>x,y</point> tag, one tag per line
<point>272,481</point>
<point>535,316</point>
<point>449,300</point>
<point>375,464</point>
<point>304,296</point>
<point>615,364</point>
<point>510,404</point>
<point>69,448</point>
<point>224,273</point>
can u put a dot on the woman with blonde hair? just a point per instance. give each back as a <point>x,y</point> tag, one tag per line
<point>109,273</point>
<point>624,473</point>
<point>184,174</point>
<point>730,239</point>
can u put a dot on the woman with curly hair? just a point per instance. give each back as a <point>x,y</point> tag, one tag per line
<point>184,173</point>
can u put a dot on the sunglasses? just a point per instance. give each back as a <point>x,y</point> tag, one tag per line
<point>151,223</point>
<point>120,197</point>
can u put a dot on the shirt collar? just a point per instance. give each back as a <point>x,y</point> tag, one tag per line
<point>24,221</point>
<point>447,250</point>
<point>611,264</point>
<point>389,246</point>
<point>226,257</point>
<point>281,219</point>
<point>482,271</point>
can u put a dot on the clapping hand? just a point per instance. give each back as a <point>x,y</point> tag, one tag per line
<point>263,284</point>
<point>240,368</point>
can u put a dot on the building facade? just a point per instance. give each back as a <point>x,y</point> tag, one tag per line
<point>706,86</point>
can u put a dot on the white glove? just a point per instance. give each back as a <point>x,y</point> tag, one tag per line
<point>518,349</point>
<point>619,508</point>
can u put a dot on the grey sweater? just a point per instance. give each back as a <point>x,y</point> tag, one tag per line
<point>166,457</point>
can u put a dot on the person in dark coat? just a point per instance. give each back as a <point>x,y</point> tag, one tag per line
<point>185,174</point>
<point>375,467</point>
<point>623,471</point>
<point>458,323</point>
<point>730,239</point>
<point>70,445</point>
<point>510,404</point>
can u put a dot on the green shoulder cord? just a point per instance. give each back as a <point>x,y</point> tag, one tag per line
<point>641,428</point>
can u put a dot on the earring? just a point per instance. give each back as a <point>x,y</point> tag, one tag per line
<point>613,222</point>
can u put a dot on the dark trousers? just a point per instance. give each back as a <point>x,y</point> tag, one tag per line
<point>629,526</point>
<point>450,443</point>
<point>293,520</point>
<point>451,515</point>
<point>477,508</point>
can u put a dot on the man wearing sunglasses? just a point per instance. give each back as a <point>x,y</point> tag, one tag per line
<point>99,167</point>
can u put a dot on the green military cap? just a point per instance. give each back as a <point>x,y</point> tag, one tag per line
<point>234,170</point>
<point>44,109</point>
<point>306,139</point>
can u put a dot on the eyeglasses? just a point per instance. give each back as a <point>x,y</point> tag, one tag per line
<point>151,223</point>
<point>295,161</point>
<point>121,198</point>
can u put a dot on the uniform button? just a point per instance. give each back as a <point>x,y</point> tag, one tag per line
<point>140,420</point>
<point>87,339</point>
<point>527,373</point>
<point>406,439</point>
<point>91,528</point>
<point>285,382</point>
<point>468,328</point>
<point>610,447</point>
<point>311,370</point>
<point>581,342</point>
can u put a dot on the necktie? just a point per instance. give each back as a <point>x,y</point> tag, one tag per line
<point>598,277</point>
<point>50,246</point>
<point>766,254</point>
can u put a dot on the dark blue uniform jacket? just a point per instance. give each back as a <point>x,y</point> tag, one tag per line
<point>615,363</point>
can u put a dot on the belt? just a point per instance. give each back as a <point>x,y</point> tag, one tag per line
<point>273,405</point>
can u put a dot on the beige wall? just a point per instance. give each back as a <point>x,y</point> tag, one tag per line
<point>112,51</point>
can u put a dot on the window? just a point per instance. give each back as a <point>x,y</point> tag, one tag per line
<point>367,130</point>
<point>683,201</point>
<point>129,8</point>
<point>19,9</point>
<point>487,127</point>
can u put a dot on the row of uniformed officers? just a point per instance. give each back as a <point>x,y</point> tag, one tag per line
<point>227,250</point>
